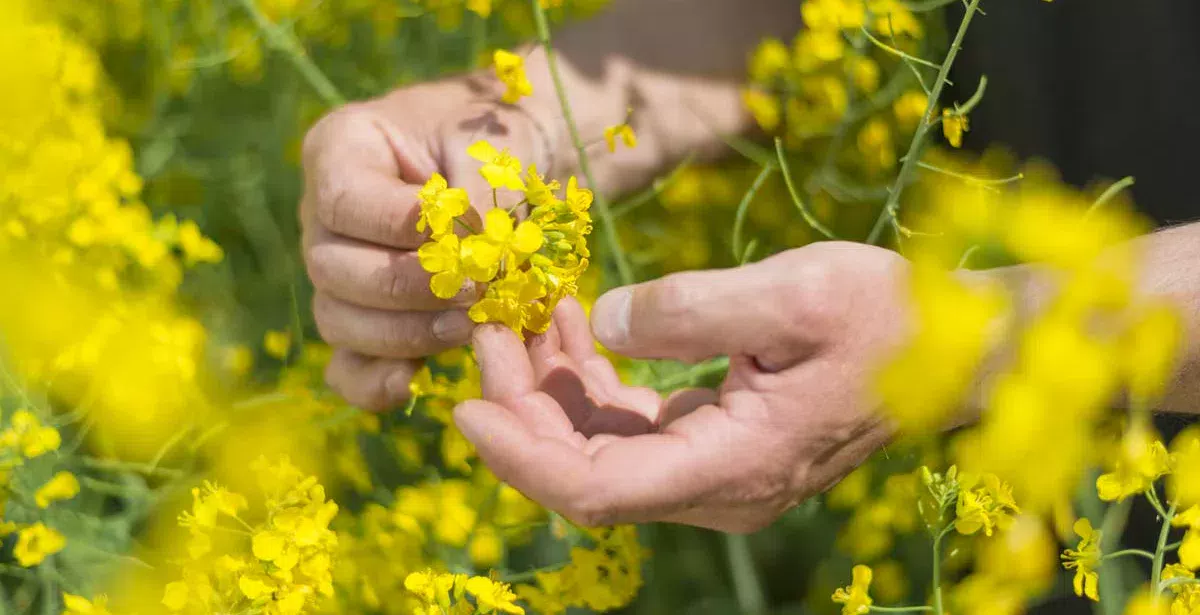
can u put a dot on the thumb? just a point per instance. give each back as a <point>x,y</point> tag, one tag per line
<point>691,316</point>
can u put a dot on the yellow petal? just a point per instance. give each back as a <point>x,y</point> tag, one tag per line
<point>527,239</point>
<point>482,151</point>
<point>446,284</point>
<point>498,225</point>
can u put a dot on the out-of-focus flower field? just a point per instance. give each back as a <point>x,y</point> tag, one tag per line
<point>167,444</point>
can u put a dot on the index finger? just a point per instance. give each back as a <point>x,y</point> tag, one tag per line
<point>362,178</point>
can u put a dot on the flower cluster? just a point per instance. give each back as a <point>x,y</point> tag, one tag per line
<point>604,577</point>
<point>446,593</point>
<point>278,562</point>
<point>528,265</point>
<point>1081,257</point>
<point>807,90</point>
<point>441,384</point>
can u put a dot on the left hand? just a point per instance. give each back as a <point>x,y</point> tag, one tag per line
<point>804,331</point>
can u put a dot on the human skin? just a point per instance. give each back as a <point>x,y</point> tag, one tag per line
<point>804,331</point>
<point>364,163</point>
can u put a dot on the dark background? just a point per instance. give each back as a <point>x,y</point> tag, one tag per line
<point>1102,89</point>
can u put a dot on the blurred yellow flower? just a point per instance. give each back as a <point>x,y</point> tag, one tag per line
<point>491,596</point>
<point>1084,559</point>
<point>78,605</point>
<point>854,598</point>
<point>62,486</point>
<point>510,69</point>
<point>954,124</point>
<point>277,344</point>
<point>35,543</point>
<point>624,132</point>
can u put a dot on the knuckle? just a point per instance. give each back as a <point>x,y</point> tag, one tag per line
<point>813,292</point>
<point>318,263</point>
<point>332,124</point>
<point>394,283</point>
<point>396,222</point>
<point>402,336</point>
<point>323,316</point>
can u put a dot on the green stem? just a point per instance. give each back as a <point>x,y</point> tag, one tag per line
<point>610,226</point>
<point>937,570</point>
<point>1138,552</point>
<point>787,179</point>
<point>126,466</point>
<point>1109,193</point>
<point>1173,546</point>
<point>286,43</point>
<point>900,609</point>
<point>746,585</point>
<point>739,220</point>
<point>530,575</point>
<point>708,368</point>
<point>904,176</point>
<point>1160,550</point>
<point>654,190</point>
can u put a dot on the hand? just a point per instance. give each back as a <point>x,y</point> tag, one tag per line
<point>363,167</point>
<point>804,331</point>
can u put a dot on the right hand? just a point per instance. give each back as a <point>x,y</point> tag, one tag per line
<point>363,165</point>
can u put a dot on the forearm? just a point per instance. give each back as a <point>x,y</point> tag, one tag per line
<point>678,64</point>
<point>1168,264</point>
<point>1170,270</point>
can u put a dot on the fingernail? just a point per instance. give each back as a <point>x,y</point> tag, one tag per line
<point>453,327</point>
<point>396,388</point>
<point>610,317</point>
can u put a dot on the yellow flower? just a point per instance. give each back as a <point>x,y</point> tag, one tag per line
<point>435,588</point>
<point>1189,551</point>
<point>510,300</point>
<point>277,344</point>
<point>175,596</point>
<point>196,247</point>
<point>63,486</point>
<point>1182,485</point>
<point>500,168</point>
<point>510,69</point>
<point>983,507</point>
<point>483,8</point>
<point>1085,560</point>
<point>440,205</point>
<point>513,246</point>
<point>909,108</point>
<point>954,124</point>
<point>1151,351</point>
<point>769,60</point>
<point>28,434</point>
<point>765,108</point>
<point>35,543</point>
<point>854,598</point>
<point>875,144</point>
<point>1142,459</point>
<point>78,605</point>
<point>538,192</point>
<point>621,131</point>
<point>493,596</point>
<point>1146,603</point>
<point>864,71</point>
<point>443,259</point>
